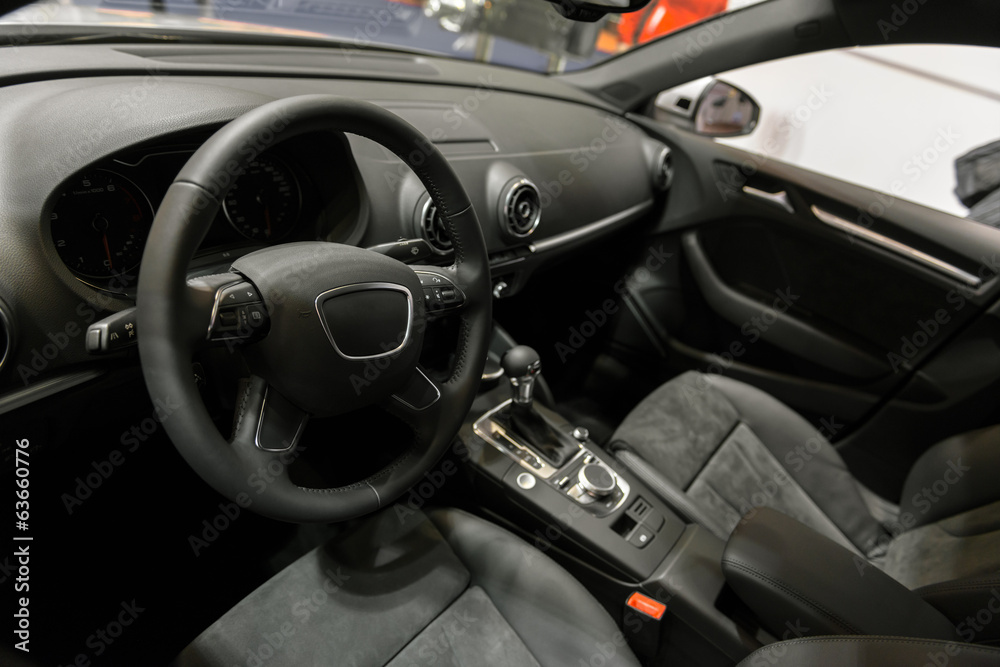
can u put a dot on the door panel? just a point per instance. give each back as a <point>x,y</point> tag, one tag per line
<point>843,302</point>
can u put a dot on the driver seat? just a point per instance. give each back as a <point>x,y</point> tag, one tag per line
<point>409,588</point>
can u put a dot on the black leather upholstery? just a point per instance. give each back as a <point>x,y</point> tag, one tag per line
<point>871,651</point>
<point>954,476</point>
<point>972,604</point>
<point>451,587</point>
<point>788,573</point>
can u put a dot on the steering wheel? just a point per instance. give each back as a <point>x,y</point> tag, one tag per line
<point>324,328</point>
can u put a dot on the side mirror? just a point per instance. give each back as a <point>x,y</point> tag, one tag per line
<point>709,107</point>
<point>594,10</point>
<point>725,111</point>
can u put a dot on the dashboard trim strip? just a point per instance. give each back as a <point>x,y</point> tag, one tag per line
<point>21,397</point>
<point>627,215</point>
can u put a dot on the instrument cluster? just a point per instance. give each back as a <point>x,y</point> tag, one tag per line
<point>102,217</point>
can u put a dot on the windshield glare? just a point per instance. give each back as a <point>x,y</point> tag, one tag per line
<point>526,34</point>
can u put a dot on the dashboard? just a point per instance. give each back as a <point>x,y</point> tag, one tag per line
<point>89,145</point>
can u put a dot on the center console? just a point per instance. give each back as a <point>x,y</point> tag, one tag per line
<point>550,482</point>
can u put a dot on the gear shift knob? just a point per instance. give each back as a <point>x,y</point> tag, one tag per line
<point>522,365</point>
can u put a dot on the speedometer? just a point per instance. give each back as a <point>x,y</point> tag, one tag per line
<point>100,224</point>
<point>263,204</point>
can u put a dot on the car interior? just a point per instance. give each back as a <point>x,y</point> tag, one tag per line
<point>319,354</point>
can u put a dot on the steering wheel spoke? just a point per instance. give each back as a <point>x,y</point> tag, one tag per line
<point>418,394</point>
<point>266,421</point>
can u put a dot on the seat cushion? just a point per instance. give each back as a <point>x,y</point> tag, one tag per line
<point>402,589</point>
<point>732,448</point>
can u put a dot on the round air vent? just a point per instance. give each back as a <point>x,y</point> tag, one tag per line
<point>6,335</point>
<point>663,170</point>
<point>520,208</point>
<point>432,228</point>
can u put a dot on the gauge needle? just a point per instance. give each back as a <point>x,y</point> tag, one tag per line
<point>107,249</point>
<point>267,221</point>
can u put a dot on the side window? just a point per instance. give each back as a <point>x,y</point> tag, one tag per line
<point>920,122</point>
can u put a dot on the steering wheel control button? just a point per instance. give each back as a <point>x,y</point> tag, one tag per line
<point>367,320</point>
<point>526,481</point>
<point>239,294</point>
<point>113,333</point>
<point>596,480</point>
<point>440,293</point>
<point>239,314</point>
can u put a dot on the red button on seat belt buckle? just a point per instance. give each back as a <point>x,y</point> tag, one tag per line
<point>646,605</point>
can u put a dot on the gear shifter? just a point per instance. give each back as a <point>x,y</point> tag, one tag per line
<point>522,366</point>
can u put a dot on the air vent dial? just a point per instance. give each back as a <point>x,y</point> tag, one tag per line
<point>520,208</point>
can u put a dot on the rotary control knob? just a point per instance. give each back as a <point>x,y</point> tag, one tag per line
<point>596,480</point>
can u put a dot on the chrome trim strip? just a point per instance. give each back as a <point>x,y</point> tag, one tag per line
<point>779,199</point>
<point>594,227</point>
<point>260,421</point>
<point>495,375</point>
<point>215,304</point>
<point>21,397</point>
<point>436,391</point>
<point>378,498</point>
<point>361,287</point>
<point>491,432</point>
<point>892,245</point>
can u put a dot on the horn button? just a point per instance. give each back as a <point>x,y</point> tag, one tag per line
<point>345,328</point>
<point>367,320</point>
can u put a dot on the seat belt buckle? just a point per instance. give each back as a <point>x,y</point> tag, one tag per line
<point>641,621</point>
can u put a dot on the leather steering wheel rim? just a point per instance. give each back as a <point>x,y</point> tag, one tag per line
<point>170,325</point>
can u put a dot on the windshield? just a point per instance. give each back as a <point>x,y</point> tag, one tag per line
<point>527,34</point>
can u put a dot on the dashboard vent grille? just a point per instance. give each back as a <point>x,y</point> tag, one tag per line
<point>663,170</point>
<point>433,229</point>
<point>522,208</point>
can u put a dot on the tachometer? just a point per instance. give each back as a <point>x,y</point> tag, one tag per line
<point>263,204</point>
<point>100,224</point>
